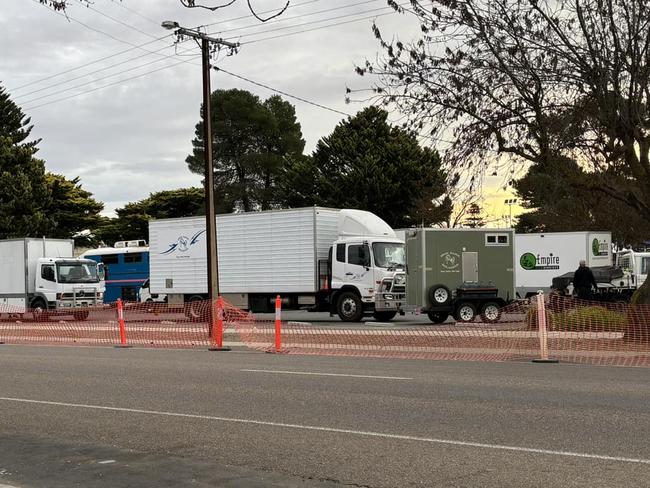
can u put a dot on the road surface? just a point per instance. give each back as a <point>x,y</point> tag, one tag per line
<point>86,416</point>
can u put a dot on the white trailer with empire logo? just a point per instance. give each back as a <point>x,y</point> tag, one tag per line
<point>43,275</point>
<point>317,258</point>
<point>541,257</point>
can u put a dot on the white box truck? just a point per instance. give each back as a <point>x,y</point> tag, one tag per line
<point>317,258</point>
<point>541,257</point>
<point>42,275</point>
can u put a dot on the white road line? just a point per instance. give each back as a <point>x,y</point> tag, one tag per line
<point>381,435</point>
<point>325,374</point>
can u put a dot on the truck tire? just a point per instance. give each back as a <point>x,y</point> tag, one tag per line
<point>465,312</point>
<point>490,313</point>
<point>439,295</point>
<point>349,307</point>
<point>438,317</point>
<point>39,309</point>
<point>384,316</point>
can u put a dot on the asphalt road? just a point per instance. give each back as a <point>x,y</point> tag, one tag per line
<point>96,417</point>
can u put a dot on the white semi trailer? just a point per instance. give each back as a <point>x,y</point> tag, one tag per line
<point>541,257</point>
<point>42,275</point>
<point>317,258</point>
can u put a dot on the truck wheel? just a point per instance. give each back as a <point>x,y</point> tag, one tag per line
<point>466,312</point>
<point>437,317</point>
<point>193,308</point>
<point>490,313</point>
<point>81,315</point>
<point>439,295</point>
<point>39,309</point>
<point>350,307</point>
<point>384,316</point>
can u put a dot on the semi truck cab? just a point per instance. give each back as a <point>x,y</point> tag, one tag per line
<point>366,252</point>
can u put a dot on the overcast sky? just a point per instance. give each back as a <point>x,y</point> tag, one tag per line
<point>131,138</point>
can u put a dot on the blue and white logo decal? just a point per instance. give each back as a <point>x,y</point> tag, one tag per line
<point>183,243</point>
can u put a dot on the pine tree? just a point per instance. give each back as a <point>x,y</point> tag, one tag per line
<point>474,217</point>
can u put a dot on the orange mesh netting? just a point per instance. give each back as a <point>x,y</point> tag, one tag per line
<point>577,331</point>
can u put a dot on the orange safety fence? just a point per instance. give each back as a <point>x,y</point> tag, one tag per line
<point>575,331</point>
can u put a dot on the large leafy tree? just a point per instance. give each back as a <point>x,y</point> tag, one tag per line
<point>567,204</point>
<point>535,81</point>
<point>368,164</point>
<point>35,203</point>
<point>132,220</point>
<point>252,140</point>
<point>71,209</point>
<point>24,194</point>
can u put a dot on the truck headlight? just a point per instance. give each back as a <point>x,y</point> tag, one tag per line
<point>400,279</point>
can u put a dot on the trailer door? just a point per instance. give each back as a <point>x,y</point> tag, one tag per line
<point>470,267</point>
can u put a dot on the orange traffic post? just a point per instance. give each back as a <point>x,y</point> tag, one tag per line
<point>542,331</point>
<point>278,323</point>
<point>122,325</point>
<point>216,336</point>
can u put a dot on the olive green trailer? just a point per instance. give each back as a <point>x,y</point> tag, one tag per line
<point>463,272</point>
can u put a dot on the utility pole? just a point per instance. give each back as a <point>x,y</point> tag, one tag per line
<point>206,43</point>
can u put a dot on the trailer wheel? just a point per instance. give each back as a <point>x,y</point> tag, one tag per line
<point>490,313</point>
<point>438,317</point>
<point>384,316</point>
<point>466,312</point>
<point>350,307</point>
<point>439,295</point>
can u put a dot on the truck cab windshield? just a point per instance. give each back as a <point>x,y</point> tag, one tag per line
<point>389,254</point>
<point>69,272</point>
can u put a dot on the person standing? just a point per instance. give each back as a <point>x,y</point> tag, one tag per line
<point>584,281</point>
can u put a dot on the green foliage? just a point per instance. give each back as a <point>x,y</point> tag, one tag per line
<point>560,200</point>
<point>24,194</point>
<point>71,209</point>
<point>13,122</point>
<point>34,203</point>
<point>252,141</point>
<point>591,318</point>
<point>367,164</point>
<point>132,220</point>
<point>474,217</point>
<point>588,319</point>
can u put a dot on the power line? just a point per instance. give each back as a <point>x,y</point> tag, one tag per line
<point>118,21</point>
<point>148,52</point>
<point>106,86</point>
<point>293,5</point>
<point>316,28</point>
<point>187,61</point>
<point>88,64</point>
<point>95,81</point>
<point>93,72</point>
<point>99,31</point>
<point>134,12</point>
<point>313,22</point>
<point>285,19</point>
<point>216,68</point>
